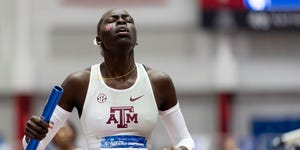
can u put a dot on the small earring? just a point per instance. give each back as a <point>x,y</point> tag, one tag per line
<point>96,42</point>
<point>136,44</point>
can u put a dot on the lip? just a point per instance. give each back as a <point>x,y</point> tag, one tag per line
<point>122,34</point>
<point>122,30</point>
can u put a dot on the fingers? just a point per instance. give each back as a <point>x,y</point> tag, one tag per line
<point>40,122</point>
<point>33,134</point>
<point>36,128</point>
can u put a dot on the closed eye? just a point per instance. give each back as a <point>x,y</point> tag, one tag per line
<point>114,18</point>
<point>129,20</point>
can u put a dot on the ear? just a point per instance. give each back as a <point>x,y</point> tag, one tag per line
<point>97,40</point>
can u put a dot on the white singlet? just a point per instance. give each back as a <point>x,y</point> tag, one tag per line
<point>119,119</point>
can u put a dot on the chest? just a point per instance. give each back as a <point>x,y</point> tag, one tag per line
<point>119,109</point>
<point>113,113</point>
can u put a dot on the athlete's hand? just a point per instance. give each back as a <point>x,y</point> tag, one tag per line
<point>36,128</point>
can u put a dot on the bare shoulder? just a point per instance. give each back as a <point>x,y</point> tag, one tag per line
<point>79,77</point>
<point>75,87</point>
<point>158,76</point>
<point>163,88</point>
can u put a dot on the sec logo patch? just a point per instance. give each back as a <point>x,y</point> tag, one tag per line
<point>101,98</point>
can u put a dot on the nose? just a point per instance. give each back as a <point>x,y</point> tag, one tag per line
<point>121,21</point>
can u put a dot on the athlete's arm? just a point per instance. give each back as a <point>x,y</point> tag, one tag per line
<point>174,123</point>
<point>58,118</point>
<point>163,89</point>
<point>73,86</point>
<point>169,110</point>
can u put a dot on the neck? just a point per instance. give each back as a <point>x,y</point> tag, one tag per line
<point>117,65</point>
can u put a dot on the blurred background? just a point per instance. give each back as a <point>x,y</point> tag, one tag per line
<point>233,62</point>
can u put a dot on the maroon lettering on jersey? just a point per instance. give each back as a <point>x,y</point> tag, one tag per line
<point>126,116</point>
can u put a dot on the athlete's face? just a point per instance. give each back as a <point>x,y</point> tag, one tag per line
<point>117,29</point>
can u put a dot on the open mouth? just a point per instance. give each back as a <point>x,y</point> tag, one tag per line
<point>122,32</point>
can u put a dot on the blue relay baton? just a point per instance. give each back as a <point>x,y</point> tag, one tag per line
<point>52,101</point>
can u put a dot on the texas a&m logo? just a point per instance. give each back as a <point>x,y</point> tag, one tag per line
<point>126,115</point>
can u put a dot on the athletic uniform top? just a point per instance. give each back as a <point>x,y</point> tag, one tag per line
<point>119,119</point>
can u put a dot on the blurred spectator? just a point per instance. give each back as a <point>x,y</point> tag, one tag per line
<point>230,144</point>
<point>3,145</point>
<point>65,138</point>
